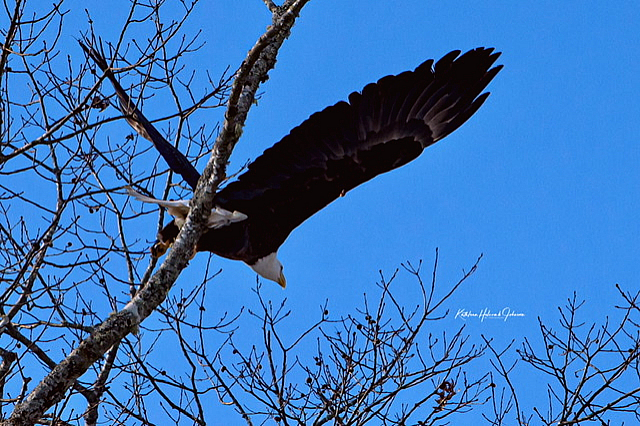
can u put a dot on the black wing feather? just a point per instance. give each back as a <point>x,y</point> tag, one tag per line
<point>381,128</point>
<point>174,158</point>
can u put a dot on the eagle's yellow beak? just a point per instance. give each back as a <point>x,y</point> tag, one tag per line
<point>282,280</point>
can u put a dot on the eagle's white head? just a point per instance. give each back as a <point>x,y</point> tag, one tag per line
<point>269,267</point>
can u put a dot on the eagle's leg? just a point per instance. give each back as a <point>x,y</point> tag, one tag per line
<point>160,248</point>
<point>166,237</point>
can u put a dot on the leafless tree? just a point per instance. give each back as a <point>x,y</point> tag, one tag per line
<point>591,370</point>
<point>76,285</point>
<point>363,366</point>
<point>68,229</point>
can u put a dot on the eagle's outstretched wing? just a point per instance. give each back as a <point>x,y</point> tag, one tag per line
<point>379,129</point>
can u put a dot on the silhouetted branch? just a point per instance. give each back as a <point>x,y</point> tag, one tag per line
<point>111,331</point>
<point>591,369</point>
<point>362,366</point>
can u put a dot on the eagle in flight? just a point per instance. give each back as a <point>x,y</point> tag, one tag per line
<point>386,125</point>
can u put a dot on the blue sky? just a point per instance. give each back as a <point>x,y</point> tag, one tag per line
<point>543,180</point>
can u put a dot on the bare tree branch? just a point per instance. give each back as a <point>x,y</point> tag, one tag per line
<point>76,281</point>
<point>253,71</point>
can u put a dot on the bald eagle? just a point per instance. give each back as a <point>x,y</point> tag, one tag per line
<point>386,125</point>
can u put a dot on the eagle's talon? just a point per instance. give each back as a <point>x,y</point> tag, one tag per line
<point>160,248</point>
